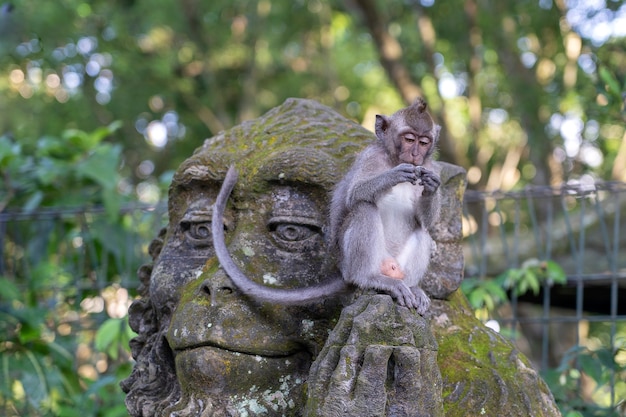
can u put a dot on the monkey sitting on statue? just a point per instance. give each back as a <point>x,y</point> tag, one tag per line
<point>379,217</point>
<point>382,209</point>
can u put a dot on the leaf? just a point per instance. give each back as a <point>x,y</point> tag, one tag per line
<point>468,284</point>
<point>476,297</point>
<point>8,290</point>
<point>77,139</point>
<point>555,273</point>
<point>109,335</point>
<point>33,202</point>
<point>8,151</point>
<point>496,290</point>
<point>605,357</point>
<point>612,86</point>
<point>112,203</point>
<point>533,281</point>
<point>101,166</point>
<point>530,263</point>
<point>488,300</point>
<point>51,146</point>
<point>590,366</point>
<point>87,141</point>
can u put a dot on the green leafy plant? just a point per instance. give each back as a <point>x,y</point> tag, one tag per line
<point>58,357</point>
<point>485,293</point>
<point>602,367</point>
<point>80,163</point>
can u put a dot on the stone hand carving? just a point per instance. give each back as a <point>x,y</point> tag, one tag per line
<point>380,360</point>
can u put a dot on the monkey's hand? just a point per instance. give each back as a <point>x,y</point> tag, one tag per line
<point>403,173</point>
<point>371,189</point>
<point>429,180</point>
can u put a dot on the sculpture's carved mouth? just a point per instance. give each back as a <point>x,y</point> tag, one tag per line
<point>251,351</point>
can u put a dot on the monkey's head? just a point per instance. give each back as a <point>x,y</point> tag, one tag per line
<point>203,347</point>
<point>410,135</point>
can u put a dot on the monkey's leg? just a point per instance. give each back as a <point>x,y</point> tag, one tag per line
<point>364,251</point>
<point>414,259</point>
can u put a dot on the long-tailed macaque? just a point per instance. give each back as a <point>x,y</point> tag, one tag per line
<point>379,216</point>
<point>382,209</point>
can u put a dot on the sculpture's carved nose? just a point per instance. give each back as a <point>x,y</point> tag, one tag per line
<point>216,290</point>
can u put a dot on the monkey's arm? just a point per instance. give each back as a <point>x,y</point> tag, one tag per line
<point>429,204</point>
<point>246,285</point>
<point>371,189</point>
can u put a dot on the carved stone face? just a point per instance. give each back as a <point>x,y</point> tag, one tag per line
<point>230,354</point>
<point>223,342</point>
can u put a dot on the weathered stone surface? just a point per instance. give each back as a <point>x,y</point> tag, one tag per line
<point>483,373</point>
<point>203,348</point>
<point>445,272</point>
<point>380,360</point>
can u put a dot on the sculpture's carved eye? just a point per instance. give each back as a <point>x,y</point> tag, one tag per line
<point>197,233</point>
<point>290,232</point>
<point>295,233</point>
<point>196,226</point>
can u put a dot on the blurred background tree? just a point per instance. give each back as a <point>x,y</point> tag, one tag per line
<point>527,91</point>
<point>100,100</point>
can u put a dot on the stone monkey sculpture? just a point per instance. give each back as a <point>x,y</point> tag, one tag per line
<point>379,217</point>
<point>204,348</point>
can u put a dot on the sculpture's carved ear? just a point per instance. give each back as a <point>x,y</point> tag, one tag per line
<point>382,123</point>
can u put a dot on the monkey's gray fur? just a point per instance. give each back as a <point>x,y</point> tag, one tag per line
<point>384,206</point>
<point>382,209</point>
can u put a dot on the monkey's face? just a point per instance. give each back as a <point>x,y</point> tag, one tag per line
<point>409,135</point>
<point>414,146</point>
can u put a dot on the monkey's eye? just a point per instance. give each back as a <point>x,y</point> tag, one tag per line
<point>424,141</point>
<point>295,234</point>
<point>410,137</point>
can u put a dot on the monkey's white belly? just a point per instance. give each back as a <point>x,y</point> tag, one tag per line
<point>397,212</point>
<point>409,244</point>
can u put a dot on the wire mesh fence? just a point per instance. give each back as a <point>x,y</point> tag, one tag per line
<point>582,228</point>
<point>68,254</point>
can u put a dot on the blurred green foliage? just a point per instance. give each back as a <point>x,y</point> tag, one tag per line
<point>66,253</point>
<point>528,91</point>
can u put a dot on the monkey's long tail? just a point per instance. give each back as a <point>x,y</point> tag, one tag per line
<point>255,290</point>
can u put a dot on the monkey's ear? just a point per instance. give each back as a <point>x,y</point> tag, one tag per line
<point>382,123</point>
<point>436,131</point>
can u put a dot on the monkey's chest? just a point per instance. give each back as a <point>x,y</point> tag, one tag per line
<point>397,211</point>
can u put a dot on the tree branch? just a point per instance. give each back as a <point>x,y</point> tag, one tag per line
<point>390,52</point>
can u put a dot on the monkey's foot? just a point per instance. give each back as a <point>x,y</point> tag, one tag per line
<point>423,301</point>
<point>391,269</point>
